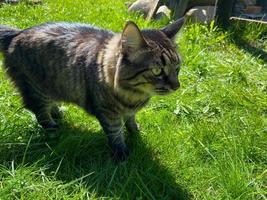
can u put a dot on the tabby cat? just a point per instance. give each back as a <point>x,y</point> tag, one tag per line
<point>110,75</point>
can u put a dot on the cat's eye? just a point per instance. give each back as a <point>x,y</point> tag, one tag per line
<point>156,71</point>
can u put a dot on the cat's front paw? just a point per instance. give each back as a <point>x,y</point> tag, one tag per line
<point>120,153</point>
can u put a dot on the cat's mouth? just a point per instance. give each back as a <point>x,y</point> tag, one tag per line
<point>162,91</point>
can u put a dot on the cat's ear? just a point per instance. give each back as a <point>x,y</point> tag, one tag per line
<point>132,38</point>
<point>172,29</point>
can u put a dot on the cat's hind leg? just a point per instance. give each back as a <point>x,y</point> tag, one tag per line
<point>42,110</point>
<point>40,105</point>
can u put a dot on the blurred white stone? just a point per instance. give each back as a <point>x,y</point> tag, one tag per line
<point>200,14</point>
<point>163,12</point>
<point>146,7</point>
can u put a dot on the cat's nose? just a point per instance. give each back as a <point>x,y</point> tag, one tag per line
<point>175,85</point>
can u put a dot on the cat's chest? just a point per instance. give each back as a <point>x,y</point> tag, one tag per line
<point>106,100</point>
<point>129,107</point>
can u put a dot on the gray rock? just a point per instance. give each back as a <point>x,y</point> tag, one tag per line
<point>145,7</point>
<point>163,12</point>
<point>200,14</point>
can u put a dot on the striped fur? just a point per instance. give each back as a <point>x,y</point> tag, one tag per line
<point>110,75</point>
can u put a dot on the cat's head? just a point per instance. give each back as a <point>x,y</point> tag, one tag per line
<point>149,63</point>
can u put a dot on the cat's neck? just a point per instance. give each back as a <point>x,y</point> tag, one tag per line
<point>110,59</point>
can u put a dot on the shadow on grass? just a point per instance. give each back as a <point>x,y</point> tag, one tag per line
<point>249,48</point>
<point>238,31</point>
<point>81,153</point>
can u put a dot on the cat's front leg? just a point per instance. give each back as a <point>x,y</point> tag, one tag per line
<point>131,125</point>
<point>112,124</point>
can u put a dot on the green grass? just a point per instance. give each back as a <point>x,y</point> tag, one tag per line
<point>206,141</point>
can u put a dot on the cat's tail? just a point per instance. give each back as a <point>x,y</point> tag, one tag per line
<point>6,35</point>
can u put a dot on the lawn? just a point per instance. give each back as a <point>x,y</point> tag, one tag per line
<point>208,140</point>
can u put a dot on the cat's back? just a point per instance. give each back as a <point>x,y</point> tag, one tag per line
<point>67,28</point>
<point>63,32</point>
<point>60,44</point>
<point>56,57</point>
